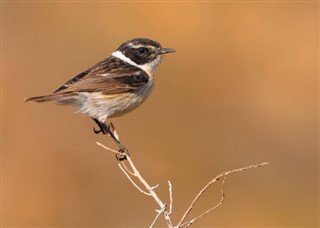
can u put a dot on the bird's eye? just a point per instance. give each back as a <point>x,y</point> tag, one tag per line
<point>142,50</point>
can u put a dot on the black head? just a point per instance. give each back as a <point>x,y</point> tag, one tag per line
<point>143,50</point>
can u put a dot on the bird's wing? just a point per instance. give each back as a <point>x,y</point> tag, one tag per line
<point>108,76</point>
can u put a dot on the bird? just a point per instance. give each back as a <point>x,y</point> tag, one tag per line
<point>114,86</point>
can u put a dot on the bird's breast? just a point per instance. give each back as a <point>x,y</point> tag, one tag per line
<point>129,101</point>
<point>102,106</point>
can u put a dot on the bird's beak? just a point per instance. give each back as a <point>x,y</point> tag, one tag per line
<point>166,50</point>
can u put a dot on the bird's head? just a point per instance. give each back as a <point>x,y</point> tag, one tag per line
<point>142,52</point>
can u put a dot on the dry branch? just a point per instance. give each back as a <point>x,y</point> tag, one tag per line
<point>150,191</point>
<point>217,178</point>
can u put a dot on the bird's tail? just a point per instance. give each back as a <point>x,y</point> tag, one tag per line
<point>52,97</point>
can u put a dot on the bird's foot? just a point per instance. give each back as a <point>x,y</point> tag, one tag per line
<point>97,131</point>
<point>110,130</point>
<point>103,128</point>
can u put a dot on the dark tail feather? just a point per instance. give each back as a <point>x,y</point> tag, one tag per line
<point>51,97</point>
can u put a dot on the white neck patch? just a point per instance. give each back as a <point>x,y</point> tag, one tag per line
<point>148,67</point>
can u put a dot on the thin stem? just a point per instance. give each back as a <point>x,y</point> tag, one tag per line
<point>196,199</point>
<point>134,184</point>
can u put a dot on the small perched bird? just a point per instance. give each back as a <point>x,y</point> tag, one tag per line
<point>113,86</point>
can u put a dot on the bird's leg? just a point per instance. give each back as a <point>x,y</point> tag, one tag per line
<point>123,151</point>
<point>100,125</point>
<point>105,129</point>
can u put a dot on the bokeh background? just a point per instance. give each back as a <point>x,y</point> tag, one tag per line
<point>242,88</point>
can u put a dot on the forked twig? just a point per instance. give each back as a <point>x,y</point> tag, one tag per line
<point>126,168</point>
<point>149,189</point>
<point>196,199</point>
<point>191,221</point>
<point>134,184</point>
<point>159,212</point>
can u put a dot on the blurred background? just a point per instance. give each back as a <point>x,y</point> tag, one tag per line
<point>242,88</point>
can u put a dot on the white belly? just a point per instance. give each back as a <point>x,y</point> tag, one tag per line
<point>100,106</point>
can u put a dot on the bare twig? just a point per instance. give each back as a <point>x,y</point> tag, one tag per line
<point>107,148</point>
<point>126,168</point>
<point>225,174</point>
<point>154,187</point>
<point>191,221</point>
<point>113,129</point>
<point>171,198</point>
<point>149,190</point>
<point>134,184</point>
<point>152,192</point>
<point>159,212</point>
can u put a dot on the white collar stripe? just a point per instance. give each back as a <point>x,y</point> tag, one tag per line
<point>148,67</point>
<point>119,55</point>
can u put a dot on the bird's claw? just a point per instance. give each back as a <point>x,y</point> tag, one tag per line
<point>97,131</point>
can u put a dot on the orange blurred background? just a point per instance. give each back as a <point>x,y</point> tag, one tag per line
<point>242,88</point>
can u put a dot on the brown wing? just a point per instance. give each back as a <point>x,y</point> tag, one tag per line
<point>109,76</point>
